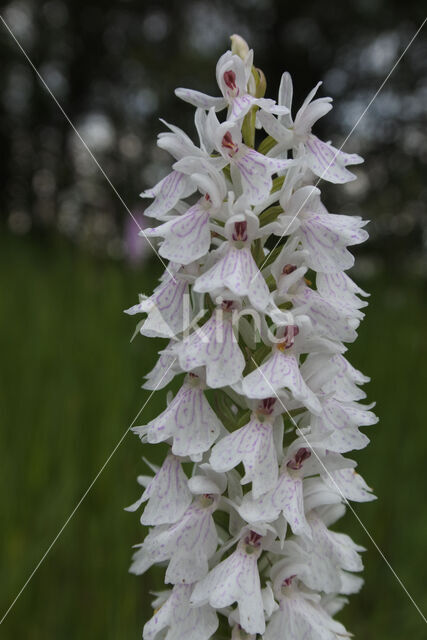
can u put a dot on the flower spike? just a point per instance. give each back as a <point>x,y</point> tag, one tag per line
<point>257,433</point>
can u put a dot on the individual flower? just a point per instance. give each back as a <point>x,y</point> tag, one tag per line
<point>236,579</point>
<point>251,170</point>
<point>177,184</point>
<point>252,444</point>
<point>233,76</point>
<point>167,314</point>
<point>325,236</point>
<point>235,268</point>
<point>281,370</point>
<point>322,158</point>
<point>188,544</point>
<point>214,346</point>
<point>300,615</point>
<point>188,421</point>
<point>180,619</point>
<point>167,494</point>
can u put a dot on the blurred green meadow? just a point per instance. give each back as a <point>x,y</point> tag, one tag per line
<point>70,388</point>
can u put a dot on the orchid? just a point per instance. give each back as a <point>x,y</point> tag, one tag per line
<point>256,435</point>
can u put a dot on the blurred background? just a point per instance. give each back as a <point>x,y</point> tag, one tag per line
<point>71,261</point>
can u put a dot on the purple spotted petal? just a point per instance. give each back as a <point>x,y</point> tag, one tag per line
<point>279,371</point>
<point>214,345</point>
<point>183,620</point>
<point>254,446</point>
<point>237,271</point>
<point>329,163</point>
<point>167,193</point>
<point>236,579</point>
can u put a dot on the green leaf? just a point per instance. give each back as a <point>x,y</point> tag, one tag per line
<point>248,127</point>
<point>256,358</point>
<point>271,257</point>
<point>227,172</point>
<point>257,251</point>
<point>277,183</point>
<point>270,214</point>
<point>266,145</point>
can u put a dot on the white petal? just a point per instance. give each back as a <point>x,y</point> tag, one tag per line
<point>187,237</point>
<point>338,547</point>
<point>183,621</point>
<point>334,322</point>
<point>187,544</point>
<point>259,510</point>
<point>350,583</point>
<point>168,494</point>
<point>237,271</point>
<point>256,173</point>
<point>329,163</point>
<point>214,345</point>
<point>325,238</point>
<point>311,565</point>
<point>198,99</point>
<point>288,497</point>
<point>168,313</point>
<point>240,106</point>
<point>162,373</point>
<point>348,229</point>
<point>317,493</point>
<point>269,105</point>
<point>307,116</point>
<point>275,128</point>
<point>236,579</point>
<point>178,144</point>
<point>167,193</point>
<point>342,440</point>
<point>196,542</point>
<point>340,289</point>
<point>189,420</point>
<point>270,605</point>
<point>325,254</point>
<point>253,444</point>
<point>338,423</point>
<point>285,96</point>
<point>350,484</point>
<point>200,485</point>
<point>300,619</point>
<point>279,371</point>
<point>343,383</point>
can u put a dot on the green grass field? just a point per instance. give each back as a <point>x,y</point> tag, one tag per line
<point>70,388</point>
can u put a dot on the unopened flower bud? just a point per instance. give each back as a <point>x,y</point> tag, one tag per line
<point>239,46</point>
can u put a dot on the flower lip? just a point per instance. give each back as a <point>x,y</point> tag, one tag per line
<point>297,461</point>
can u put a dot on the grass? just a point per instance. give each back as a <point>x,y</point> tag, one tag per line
<point>69,389</point>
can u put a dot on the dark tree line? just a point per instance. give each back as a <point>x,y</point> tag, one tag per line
<point>113,66</point>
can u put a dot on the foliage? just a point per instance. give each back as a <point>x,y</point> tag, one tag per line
<point>68,393</point>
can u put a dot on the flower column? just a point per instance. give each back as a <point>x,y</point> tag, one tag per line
<point>268,403</point>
